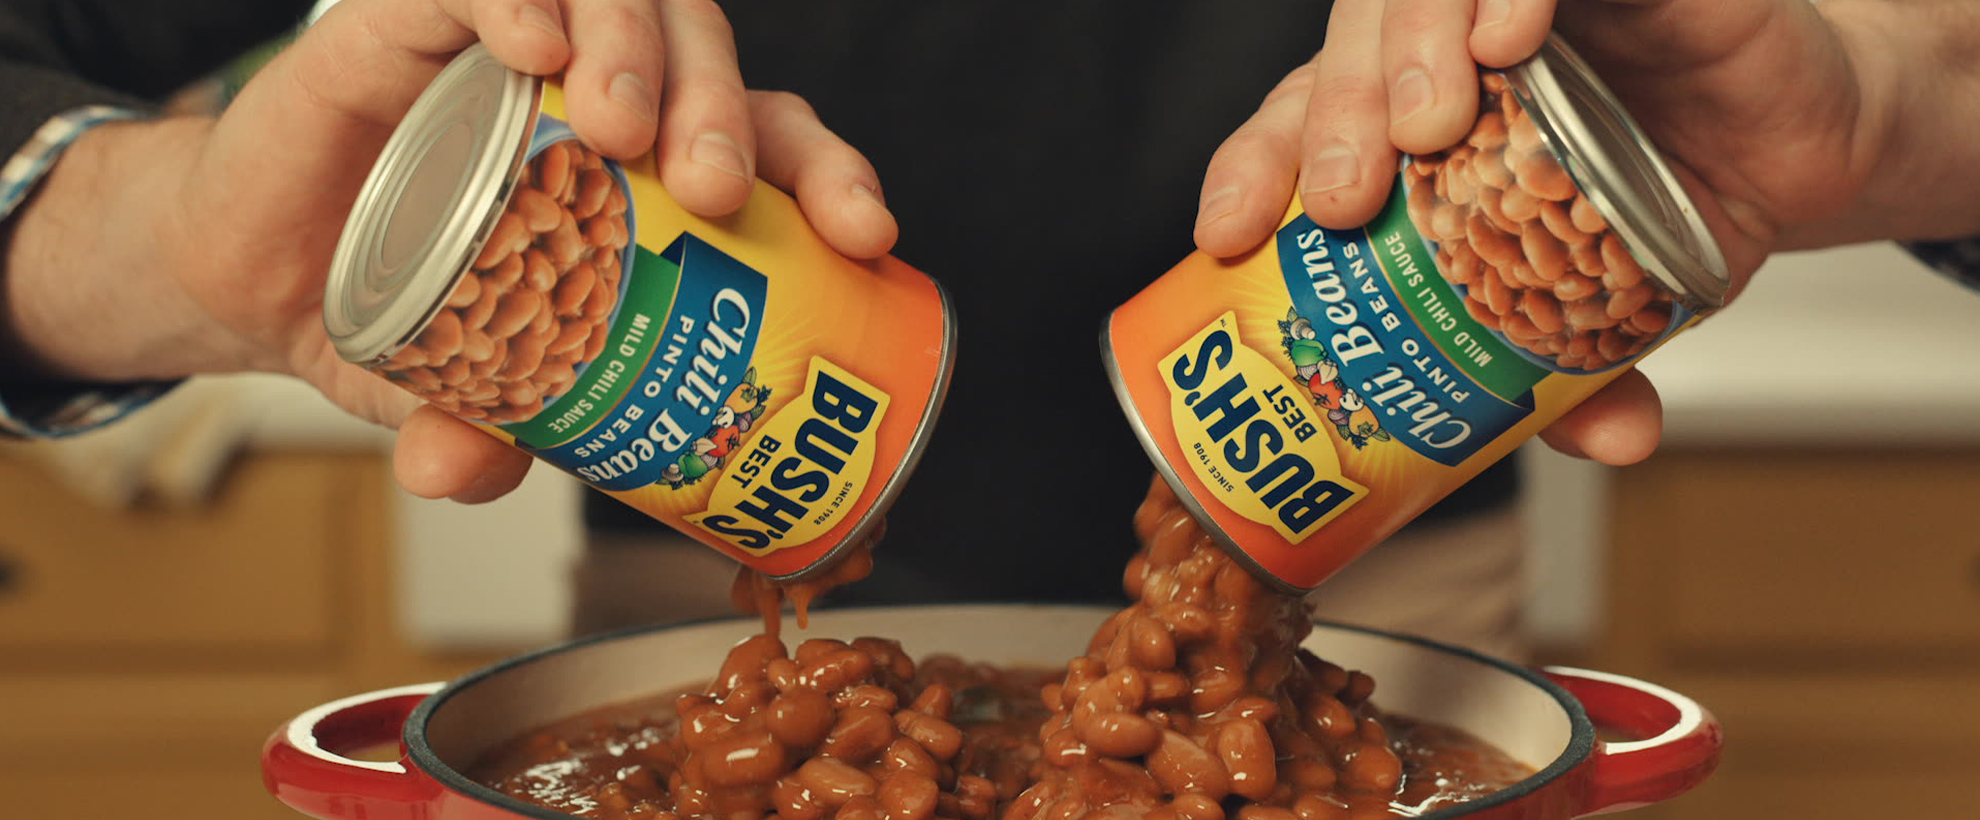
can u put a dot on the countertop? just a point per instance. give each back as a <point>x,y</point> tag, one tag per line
<point>1857,345</point>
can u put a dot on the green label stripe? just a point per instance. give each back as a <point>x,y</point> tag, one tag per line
<point>649,295</point>
<point>1439,309</point>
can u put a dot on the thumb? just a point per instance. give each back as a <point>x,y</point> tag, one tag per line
<point>324,106</point>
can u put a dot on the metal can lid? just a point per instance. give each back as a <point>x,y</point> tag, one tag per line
<point>429,204</point>
<point>1616,166</point>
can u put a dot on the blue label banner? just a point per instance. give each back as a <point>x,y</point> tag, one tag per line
<point>1354,295</point>
<point>698,356</point>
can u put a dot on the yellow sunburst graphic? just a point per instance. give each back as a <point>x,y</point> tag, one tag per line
<point>1257,292</point>
<point>781,362</point>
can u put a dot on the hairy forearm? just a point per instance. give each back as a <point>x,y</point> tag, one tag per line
<point>1918,63</point>
<point>84,291</point>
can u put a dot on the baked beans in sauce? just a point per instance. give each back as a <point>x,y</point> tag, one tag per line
<point>757,593</point>
<point>1194,703</point>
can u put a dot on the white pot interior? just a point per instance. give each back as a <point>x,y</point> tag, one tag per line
<point>1412,678</point>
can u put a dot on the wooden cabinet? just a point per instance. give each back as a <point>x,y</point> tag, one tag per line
<point>1825,605</point>
<point>146,654</point>
<point>251,571</point>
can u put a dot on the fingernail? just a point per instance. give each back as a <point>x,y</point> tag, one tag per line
<point>1218,204</point>
<point>1410,94</point>
<point>535,17</point>
<point>716,150</point>
<point>633,93</point>
<point>1332,168</point>
<point>1493,12</point>
<point>862,192</point>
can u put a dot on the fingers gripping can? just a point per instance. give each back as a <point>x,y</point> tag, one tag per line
<point>1309,399</point>
<point>734,378</point>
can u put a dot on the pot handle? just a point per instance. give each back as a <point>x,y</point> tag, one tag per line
<point>1679,750</point>
<point>303,765</point>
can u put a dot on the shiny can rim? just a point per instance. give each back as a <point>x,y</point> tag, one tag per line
<point>917,444</point>
<point>1614,163</point>
<point>429,204</point>
<point>1168,472</point>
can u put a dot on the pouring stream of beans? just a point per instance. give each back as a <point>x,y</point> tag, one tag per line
<point>1194,703</point>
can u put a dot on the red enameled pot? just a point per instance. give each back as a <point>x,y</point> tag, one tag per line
<point>1547,718</point>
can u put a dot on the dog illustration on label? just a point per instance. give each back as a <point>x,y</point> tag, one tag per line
<point>1314,368</point>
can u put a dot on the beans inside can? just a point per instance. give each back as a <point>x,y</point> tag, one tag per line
<point>1307,401</point>
<point>736,378</point>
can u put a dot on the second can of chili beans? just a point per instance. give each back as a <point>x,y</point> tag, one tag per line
<point>1308,400</point>
<point>736,379</point>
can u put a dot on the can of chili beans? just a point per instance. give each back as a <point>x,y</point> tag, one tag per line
<point>736,379</point>
<point>1308,400</point>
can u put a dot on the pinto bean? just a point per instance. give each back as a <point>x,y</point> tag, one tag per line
<point>1652,319</point>
<point>1522,135</point>
<point>908,796</point>
<point>1481,312</point>
<point>1543,309</point>
<point>1494,177</point>
<point>1538,174</point>
<point>906,755</point>
<point>1117,734</point>
<point>1520,206</point>
<point>1575,287</point>
<point>867,695</point>
<point>1495,248</point>
<point>838,670</point>
<point>509,236</point>
<point>835,782</point>
<point>564,243</point>
<point>1182,766</point>
<point>539,211</point>
<point>443,336</point>
<point>1625,303</point>
<point>799,719</point>
<point>592,189</point>
<point>1498,297</point>
<point>940,737</point>
<point>1586,218</point>
<point>1371,767</point>
<point>935,700</point>
<point>1554,217</point>
<point>859,734</point>
<point>553,169</point>
<point>1589,314</point>
<point>1248,756</point>
<point>1619,263</point>
<point>742,760</point>
<point>1488,132</point>
<point>466,291</point>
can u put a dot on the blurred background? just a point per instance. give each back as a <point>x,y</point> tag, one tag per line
<point>1800,556</point>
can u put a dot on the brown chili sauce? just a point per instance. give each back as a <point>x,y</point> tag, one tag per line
<point>1194,703</point>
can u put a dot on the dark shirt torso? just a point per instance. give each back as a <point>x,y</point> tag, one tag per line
<point>1044,161</point>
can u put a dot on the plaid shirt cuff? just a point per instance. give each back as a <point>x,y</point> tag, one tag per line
<point>55,410</point>
<point>1958,259</point>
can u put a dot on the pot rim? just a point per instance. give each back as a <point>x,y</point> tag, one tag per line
<point>1580,745</point>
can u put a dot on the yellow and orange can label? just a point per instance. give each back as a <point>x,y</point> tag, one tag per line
<point>1312,397</point>
<point>734,378</point>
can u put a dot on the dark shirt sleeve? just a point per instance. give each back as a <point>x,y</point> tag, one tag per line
<point>58,55</point>
<point>1958,259</point>
<point>66,65</point>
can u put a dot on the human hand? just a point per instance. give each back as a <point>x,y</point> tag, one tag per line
<point>223,229</point>
<point>1767,109</point>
